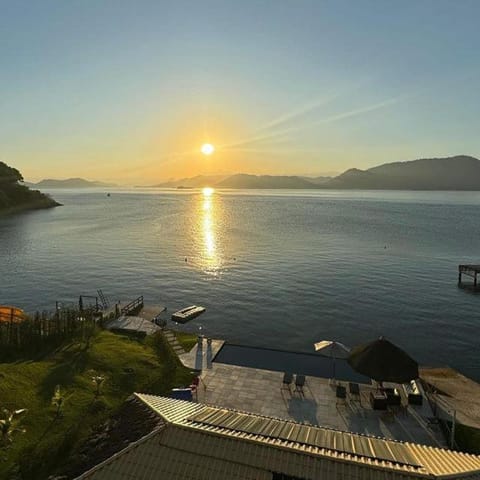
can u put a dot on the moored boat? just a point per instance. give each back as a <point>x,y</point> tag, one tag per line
<point>188,313</point>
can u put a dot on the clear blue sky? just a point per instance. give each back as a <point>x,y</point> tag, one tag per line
<point>129,91</point>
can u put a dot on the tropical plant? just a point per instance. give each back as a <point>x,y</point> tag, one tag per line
<point>10,425</point>
<point>98,380</point>
<point>58,400</point>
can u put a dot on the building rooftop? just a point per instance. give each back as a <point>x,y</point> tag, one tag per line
<point>198,441</point>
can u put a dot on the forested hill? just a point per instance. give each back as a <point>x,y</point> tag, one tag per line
<point>461,172</point>
<point>16,197</point>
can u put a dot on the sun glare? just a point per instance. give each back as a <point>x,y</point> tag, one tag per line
<point>207,191</point>
<point>207,149</point>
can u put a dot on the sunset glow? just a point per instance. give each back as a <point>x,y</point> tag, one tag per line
<point>157,104</point>
<point>207,149</point>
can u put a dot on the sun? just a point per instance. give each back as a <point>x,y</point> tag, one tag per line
<point>207,149</point>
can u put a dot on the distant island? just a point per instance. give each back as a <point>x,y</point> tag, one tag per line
<point>198,181</point>
<point>15,197</point>
<point>242,180</point>
<point>70,183</point>
<point>461,172</point>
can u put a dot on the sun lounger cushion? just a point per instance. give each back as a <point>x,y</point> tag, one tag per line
<point>181,394</point>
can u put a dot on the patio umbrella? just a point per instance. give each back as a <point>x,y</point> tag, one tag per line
<point>383,361</point>
<point>333,350</point>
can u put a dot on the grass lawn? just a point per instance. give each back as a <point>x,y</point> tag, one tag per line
<point>186,340</point>
<point>49,441</point>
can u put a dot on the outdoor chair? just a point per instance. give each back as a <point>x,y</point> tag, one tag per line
<point>341,393</point>
<point>393,396</point>
<point>287,380</point>
<point>413,393</point>
<point>299,383</point>
<point>194,387</point>
<point>378,400</point>
<point>354,390</point>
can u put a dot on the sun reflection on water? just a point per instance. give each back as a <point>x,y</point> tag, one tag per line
<point>211,260</point>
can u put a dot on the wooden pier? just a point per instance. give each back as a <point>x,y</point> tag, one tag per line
<point>133,307</point>
<point>469,270</point>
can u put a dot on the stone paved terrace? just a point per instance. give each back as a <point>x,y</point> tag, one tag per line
<point>260,391</point>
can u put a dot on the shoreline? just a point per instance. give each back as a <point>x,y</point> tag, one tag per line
<point>30,206</point>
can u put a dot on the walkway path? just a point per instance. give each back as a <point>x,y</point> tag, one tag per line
<point>172,340</point>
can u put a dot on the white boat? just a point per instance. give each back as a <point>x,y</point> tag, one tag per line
<point>188,313</point>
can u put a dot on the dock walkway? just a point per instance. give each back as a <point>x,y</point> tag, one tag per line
<point>455,391</point>
<point>470,270</point>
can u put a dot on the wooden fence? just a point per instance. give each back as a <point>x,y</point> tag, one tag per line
<point>42,329</point>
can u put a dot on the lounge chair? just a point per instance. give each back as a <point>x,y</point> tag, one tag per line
<point>378,400</point>
<point>413,393</point>
<point>393,396</point>
<point>299,383</point>
<point>354,390</point>
<point>287,380</point>
<point>341,393</point>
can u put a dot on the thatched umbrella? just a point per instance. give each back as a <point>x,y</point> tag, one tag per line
<point>383,361</point>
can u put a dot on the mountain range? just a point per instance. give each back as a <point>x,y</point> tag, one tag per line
<point>68,183</point>
<point>460,172</point>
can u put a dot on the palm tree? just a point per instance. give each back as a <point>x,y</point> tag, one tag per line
<point>98,380</point>
<point>9,425</point>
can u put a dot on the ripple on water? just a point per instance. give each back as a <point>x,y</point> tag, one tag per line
<point>281,269</point>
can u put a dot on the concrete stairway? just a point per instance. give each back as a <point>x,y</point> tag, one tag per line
<point>172,340</point>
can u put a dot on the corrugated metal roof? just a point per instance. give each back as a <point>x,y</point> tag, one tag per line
<point>387,455</point>
<point>303,434</point>
<point>153,458</point>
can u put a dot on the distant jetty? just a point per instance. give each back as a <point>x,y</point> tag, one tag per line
<point>469,270</point>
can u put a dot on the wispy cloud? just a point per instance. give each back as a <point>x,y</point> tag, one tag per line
<point>272,132</point>
<point>299,112</point>
<point>362,110</point>
<point>312,105</point>
<point>252,140</point>
<point>342,116</point>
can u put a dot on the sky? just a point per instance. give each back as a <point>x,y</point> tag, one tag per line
<point>129,91</point>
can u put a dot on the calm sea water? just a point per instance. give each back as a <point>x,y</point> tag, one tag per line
<point>278,269</point>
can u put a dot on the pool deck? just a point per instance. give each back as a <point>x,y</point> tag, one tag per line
<point>200,357</point>
<point>260,391</point>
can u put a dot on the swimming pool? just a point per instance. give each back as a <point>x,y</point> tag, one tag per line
<point>287,361</point>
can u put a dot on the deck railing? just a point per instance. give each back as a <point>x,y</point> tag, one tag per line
<point>133,307</point>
